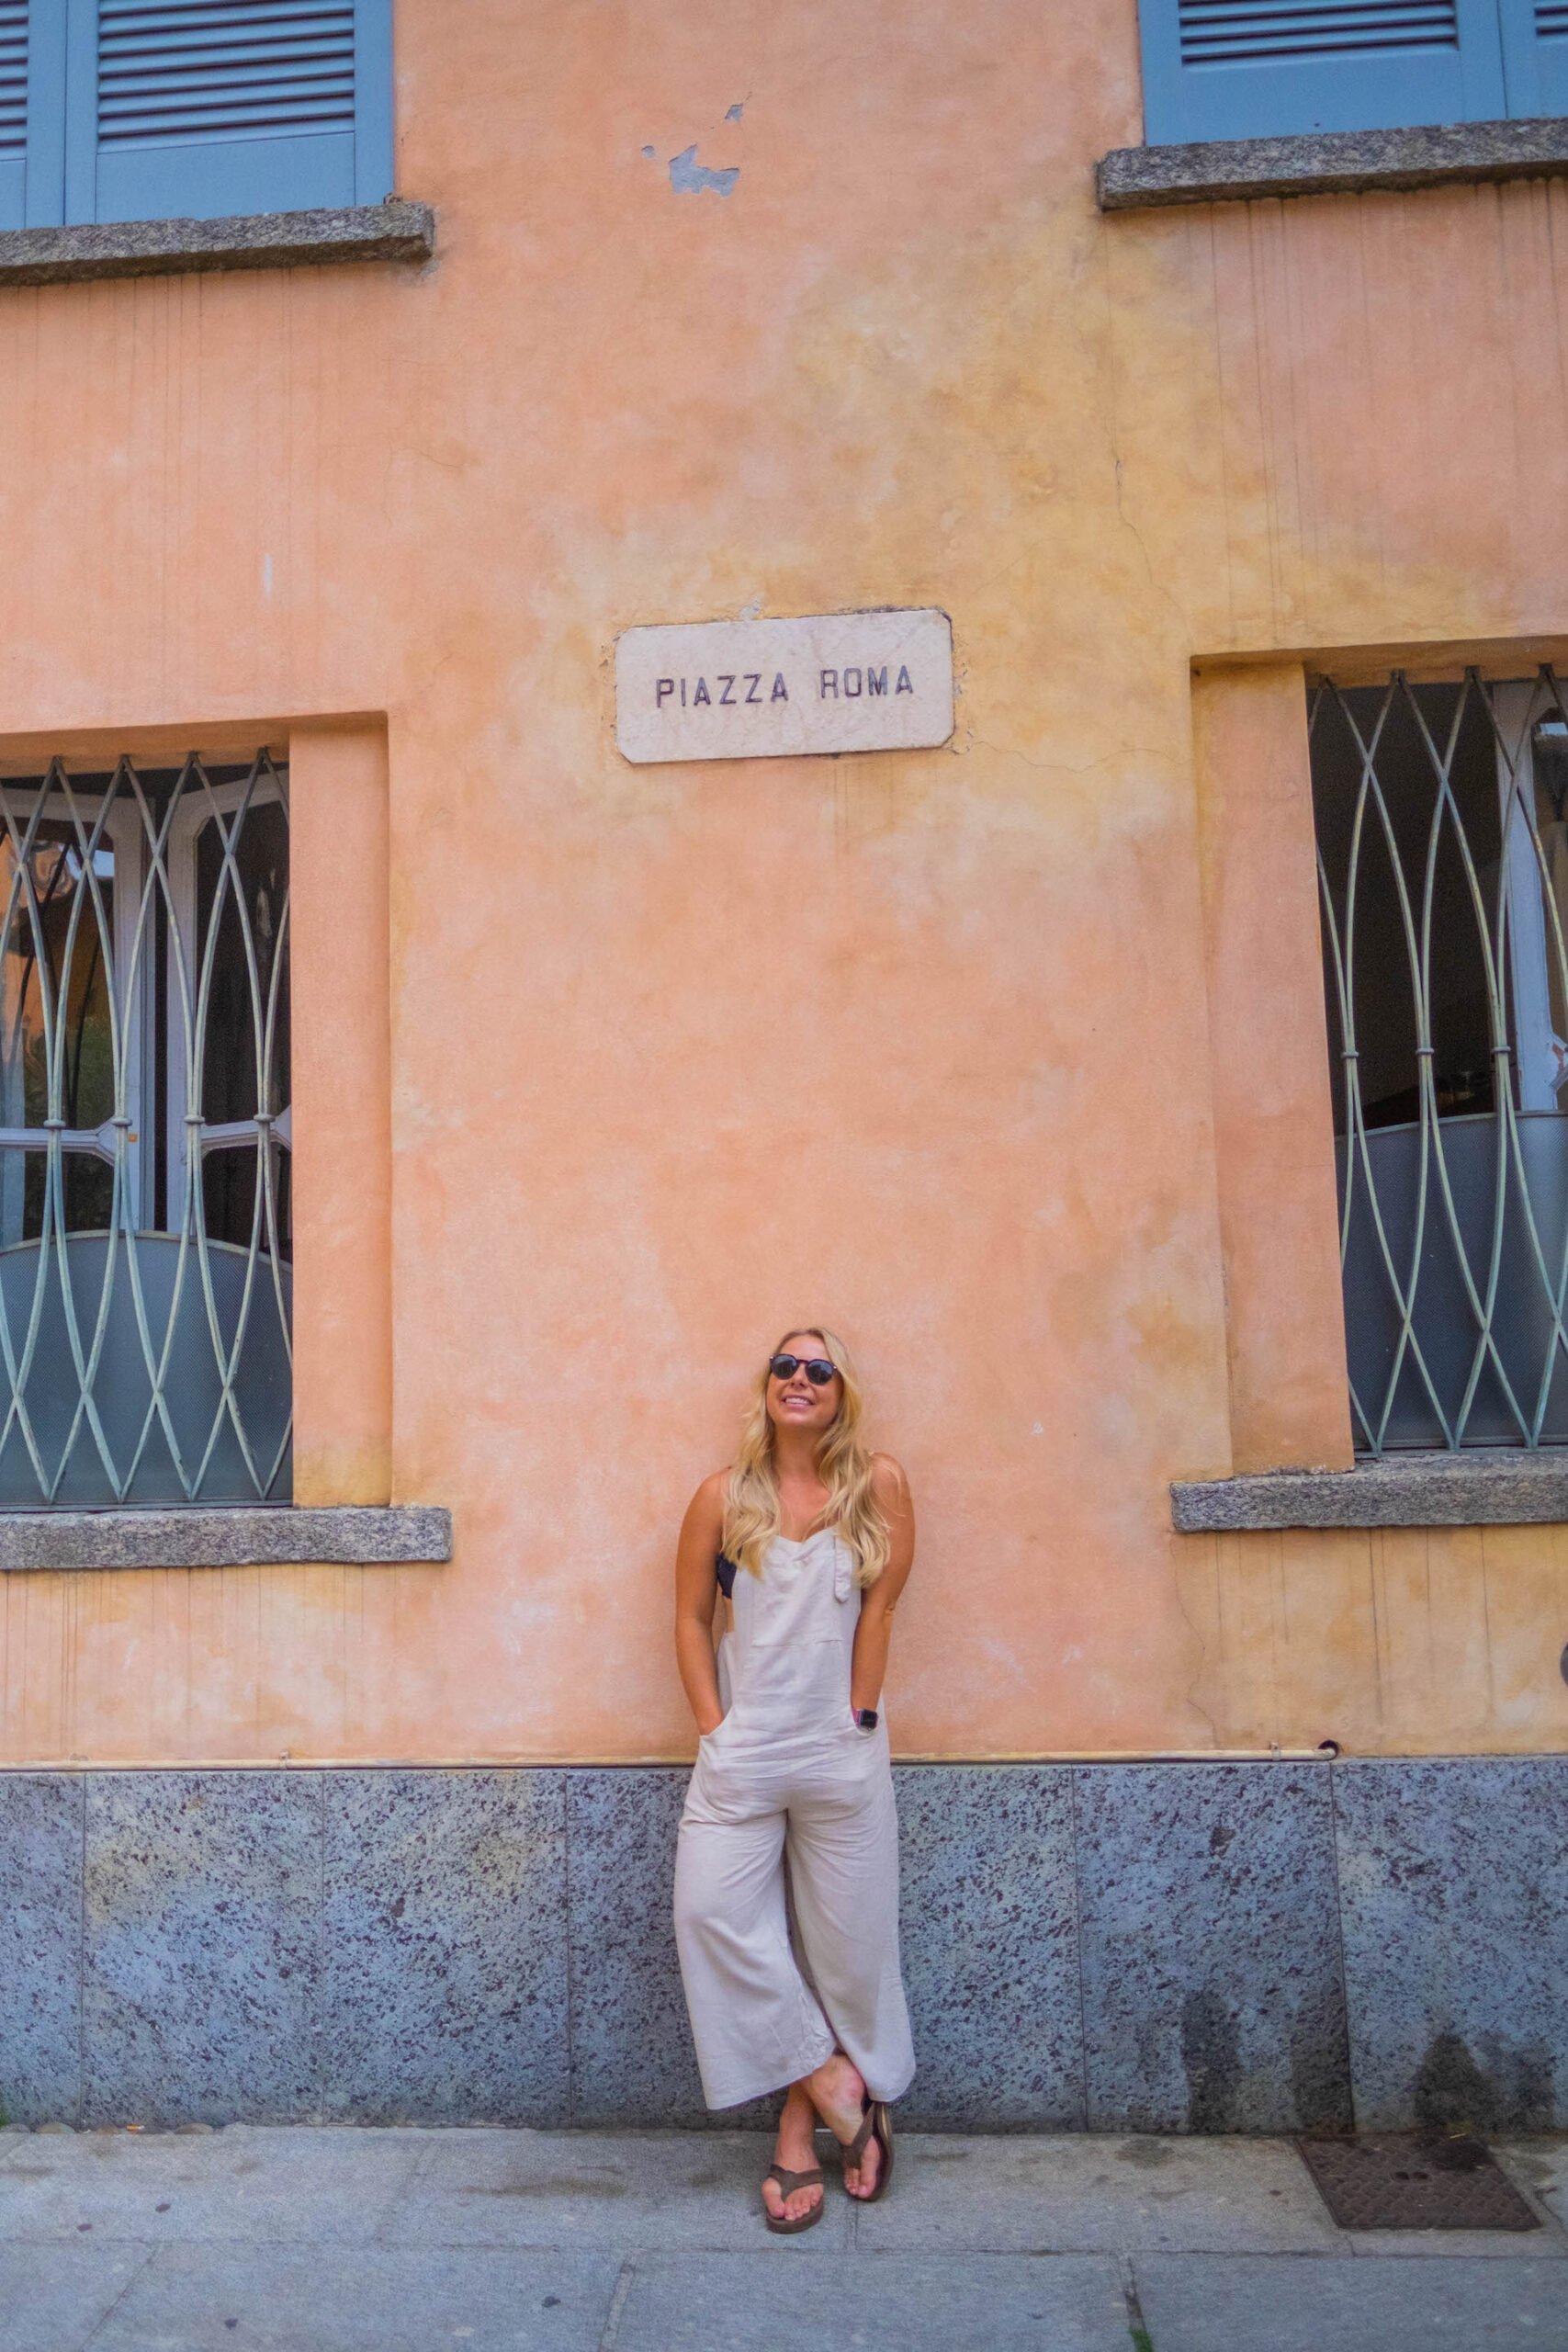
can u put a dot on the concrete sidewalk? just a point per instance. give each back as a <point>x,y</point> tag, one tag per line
<point>307,2240</point>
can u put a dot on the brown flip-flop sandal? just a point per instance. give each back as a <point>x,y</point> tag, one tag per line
<point>877,2126</point>
<point>788,2183</point>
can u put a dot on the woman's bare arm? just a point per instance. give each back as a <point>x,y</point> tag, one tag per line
<point>696,1589</point>
<point>874,1631</point>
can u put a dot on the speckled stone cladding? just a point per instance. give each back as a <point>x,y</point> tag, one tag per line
<point>1175,1947</point>
<point>398,230</point>
<point>1331,162</point>
<point>234,1535</point>
<point>1479,1488</point>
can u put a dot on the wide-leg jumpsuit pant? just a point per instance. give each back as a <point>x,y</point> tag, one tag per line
<point>778,1978</point>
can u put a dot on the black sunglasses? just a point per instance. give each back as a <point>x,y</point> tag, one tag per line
<point>817,1369</point>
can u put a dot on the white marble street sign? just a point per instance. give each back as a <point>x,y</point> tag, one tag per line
<point>750,690</point>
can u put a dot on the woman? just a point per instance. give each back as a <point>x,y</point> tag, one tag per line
<point>811,1540</point>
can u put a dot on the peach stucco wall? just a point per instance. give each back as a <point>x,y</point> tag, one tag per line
<point>641,1065</point>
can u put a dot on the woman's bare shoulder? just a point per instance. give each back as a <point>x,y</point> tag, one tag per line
<point>714,1492</point>
<point>888,1482</point>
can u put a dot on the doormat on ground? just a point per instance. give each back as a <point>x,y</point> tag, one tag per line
<point>1401,2181</point>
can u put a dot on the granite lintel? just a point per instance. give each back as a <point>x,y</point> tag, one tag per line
<point>1479,1489</point>
<point>1331,162</point>
<point>241,1535</point>
<point>398,230</point>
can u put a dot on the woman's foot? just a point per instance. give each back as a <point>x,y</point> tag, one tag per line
<point>837,2091</point>
<point>796,2151</point>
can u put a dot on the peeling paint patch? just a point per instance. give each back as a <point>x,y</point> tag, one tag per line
<point>733,114</point>
<point>651,153</point>
<point>688,177</point>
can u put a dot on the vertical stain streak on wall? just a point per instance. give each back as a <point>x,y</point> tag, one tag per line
<point>1407,1640</point>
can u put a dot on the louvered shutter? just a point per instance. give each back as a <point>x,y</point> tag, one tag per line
<point>13,113</point>
<point>192,108</point>
<point>1535,56</point>
<point>1258,69</point>
<point>32,111</point>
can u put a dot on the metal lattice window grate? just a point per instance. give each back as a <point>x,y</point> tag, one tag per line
<point>1441,815</point>
<point>145,1137</point>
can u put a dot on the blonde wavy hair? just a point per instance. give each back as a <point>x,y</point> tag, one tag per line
<point>752,1512</point>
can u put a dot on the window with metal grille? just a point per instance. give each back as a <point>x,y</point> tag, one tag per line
<point>145,1137</point>
<point>154,109</point>
<point>1256,69</point>
<point>1441,815</point>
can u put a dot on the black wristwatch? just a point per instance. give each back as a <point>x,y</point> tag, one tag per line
<point>866,1718</point>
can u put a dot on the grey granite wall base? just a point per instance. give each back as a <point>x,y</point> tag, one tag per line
<point>1454,1893</point>
<point>1213,1999</point>
<point>1161,1947</point>
<point>200,1976</point>
<point>990,1946</point>
<point>444,1947</point>
<point>40,1946</point>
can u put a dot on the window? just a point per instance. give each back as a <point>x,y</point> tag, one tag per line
<point>1257,69</point>
<point>1441,815</point>
<point>121,110</point>
<point>145,1137</point>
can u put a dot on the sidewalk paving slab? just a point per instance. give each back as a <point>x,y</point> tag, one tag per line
<point>361,2298</point>
<point>52,2296</point>
<point>1206,2302</point>
<point>1539,2165</point>
<point>1476,2245</point>
<point>335,2239</point>
<point>616,2188</point>
<point>733,2302</point>
<point>1087,2195</point>
<point>291,2183</point>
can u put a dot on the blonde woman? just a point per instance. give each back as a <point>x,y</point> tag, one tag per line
<point>811,1540</point>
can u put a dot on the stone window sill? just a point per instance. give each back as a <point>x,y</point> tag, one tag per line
<point>396,231</point>
<point>1331,162</point>
<point>1479,1489</point>
<point>234,1536</point>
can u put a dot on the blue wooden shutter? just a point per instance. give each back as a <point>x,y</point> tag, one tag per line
<point>32,116</point>
<point>13,113</point>
<point>192,108</point>
<point>1535,56</point>
<point>1258,69</point>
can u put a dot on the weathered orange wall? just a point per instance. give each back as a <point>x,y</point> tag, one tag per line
<point>920,1043</point>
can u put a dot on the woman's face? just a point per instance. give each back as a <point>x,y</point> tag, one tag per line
<point>795,1403</point>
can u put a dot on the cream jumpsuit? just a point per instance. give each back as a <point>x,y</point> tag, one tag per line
<point>787,1773</point>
